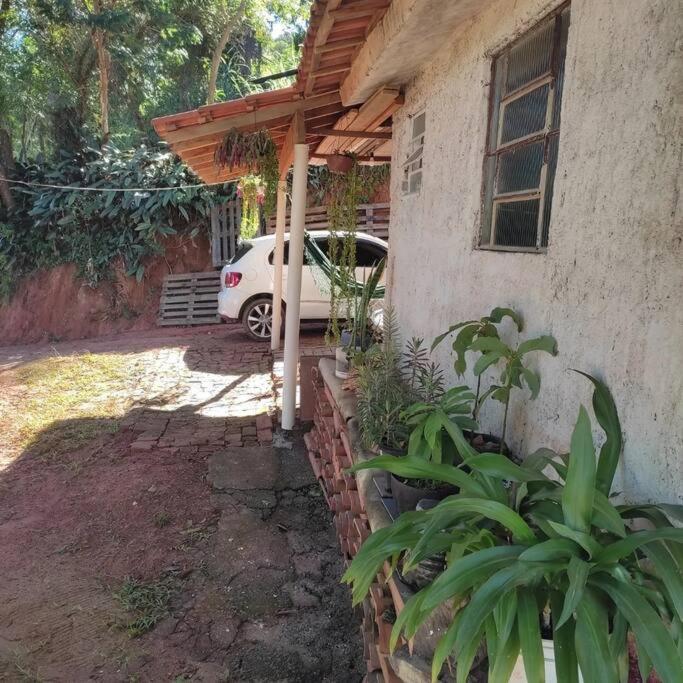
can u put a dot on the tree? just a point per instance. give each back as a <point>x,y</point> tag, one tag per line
<point>99,38</point>
<point>231,22</point>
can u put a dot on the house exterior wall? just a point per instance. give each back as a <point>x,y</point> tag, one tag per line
<point>610,287</point>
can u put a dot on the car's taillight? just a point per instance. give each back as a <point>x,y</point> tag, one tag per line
<point>232,279</point>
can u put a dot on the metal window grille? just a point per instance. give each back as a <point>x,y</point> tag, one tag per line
<point>412,166</point>
<point>524,131</point>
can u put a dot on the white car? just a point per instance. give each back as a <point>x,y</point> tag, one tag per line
<point>247,281</point>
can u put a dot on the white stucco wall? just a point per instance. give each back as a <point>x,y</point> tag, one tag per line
<point>610,287</point>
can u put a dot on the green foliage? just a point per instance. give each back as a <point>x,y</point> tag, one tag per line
<point>160,54</point>
<point>94,229</point>
<point>556,545</point>
<point>251,192</point>
<point>431,424</point>
<point>255,152</point>
<point>346,191</point>
<point>148,603</point>
<point>382,392</point>
<point>482,336</point>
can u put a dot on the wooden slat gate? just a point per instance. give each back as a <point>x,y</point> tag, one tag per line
<point>372,219</point>
<point>225,230</point>
<point>190,299</point>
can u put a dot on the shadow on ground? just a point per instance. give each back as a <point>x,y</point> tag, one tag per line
<point>234,547</point>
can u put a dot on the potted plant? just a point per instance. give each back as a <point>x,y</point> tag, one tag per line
<point>340,162</point>
<point>256,154</point>
<point>556,551</point>
<point>430,439</point>
<point>482,336</point>
<point>357,336</point>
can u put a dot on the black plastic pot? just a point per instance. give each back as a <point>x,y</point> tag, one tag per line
<point>408,496</point>
<point>385,449</point>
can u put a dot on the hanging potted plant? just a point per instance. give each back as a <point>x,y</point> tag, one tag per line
<point>340,162</point>
<point>255,153</point>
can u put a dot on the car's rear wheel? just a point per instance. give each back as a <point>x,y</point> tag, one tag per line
<point>257,319</point>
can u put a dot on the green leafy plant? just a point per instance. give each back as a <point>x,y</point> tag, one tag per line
<point>557,546</point>
<point>96,229</point>
<point>470,331</point>
<point>430,437</point>
<point>514,371</point>
<point>257,154</point>
<point>381,390</point>
<point>482,336</point>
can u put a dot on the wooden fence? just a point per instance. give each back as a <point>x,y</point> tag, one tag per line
<point>372,219</point>
<point>225,225</point>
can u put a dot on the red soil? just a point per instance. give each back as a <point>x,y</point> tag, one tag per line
<point>54,305</point>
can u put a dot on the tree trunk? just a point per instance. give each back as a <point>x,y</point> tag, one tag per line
<point>104,66</point>
<point>6,165</point>
<point>228,29</point>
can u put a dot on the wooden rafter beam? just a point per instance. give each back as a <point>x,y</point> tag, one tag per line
<point>250,119</point>
<point>380,160</point>
<point>370,135</point>
<point>323,32</point>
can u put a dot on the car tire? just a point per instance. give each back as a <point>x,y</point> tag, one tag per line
<point>257,319</point>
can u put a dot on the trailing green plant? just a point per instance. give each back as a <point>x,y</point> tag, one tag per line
<point>257,154</point>
<point>251,192</point>
<point>94,229</point>
<point>346,191</point>
<point>554,551</point>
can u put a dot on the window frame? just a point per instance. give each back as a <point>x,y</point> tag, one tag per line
<point>497,103</point>
<point>412,157</point>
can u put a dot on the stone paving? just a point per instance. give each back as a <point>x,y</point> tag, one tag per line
<point>250,537</point>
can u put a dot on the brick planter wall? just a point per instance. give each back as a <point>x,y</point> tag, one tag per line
<point>333,445</point>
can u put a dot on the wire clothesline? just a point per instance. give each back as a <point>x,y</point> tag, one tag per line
<point>112,189</point>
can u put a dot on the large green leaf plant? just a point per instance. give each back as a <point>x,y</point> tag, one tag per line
<point>554,548</point>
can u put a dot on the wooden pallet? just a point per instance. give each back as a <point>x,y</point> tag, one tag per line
<point>190,299</point>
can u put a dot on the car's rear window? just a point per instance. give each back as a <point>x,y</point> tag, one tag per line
<point>242,249</point>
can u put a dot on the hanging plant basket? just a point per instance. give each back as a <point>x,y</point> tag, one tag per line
<point>340,163</point>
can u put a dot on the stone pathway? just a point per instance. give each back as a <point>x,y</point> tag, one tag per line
<point>246,542</point>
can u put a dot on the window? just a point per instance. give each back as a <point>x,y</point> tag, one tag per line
<point>412,166</point>
<point>524,132</point>
<point>368,254</point>
<point>320,241</point>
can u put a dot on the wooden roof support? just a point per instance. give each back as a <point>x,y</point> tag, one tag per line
<point>332,132</point>
<point>250,119</point>
<point>378,159</point>
<point>326,24</point>
<point>296,135</point>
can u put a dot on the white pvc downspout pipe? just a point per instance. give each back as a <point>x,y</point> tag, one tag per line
<point>280,220</point>
<point>295,264</point>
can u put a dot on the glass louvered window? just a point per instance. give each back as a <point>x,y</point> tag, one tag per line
<point>524,131</point>
<point>412,166</point>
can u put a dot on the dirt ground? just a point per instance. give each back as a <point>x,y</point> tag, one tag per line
<point>187,542</point>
